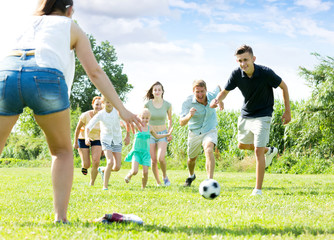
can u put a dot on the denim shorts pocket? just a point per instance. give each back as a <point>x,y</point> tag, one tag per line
<point>3,79</point>
<point>48,87</point>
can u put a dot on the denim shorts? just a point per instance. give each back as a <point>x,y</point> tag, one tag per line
<point>23,83</point>
<point>156,140</point>
<point>112,147</point>
<point>82,144</point>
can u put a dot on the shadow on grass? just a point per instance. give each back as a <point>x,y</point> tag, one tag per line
<point>191,230</point>
<point>209,231</point>
<point>240,231</point>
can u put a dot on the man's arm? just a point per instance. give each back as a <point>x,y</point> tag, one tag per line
<point>184,121</point>
<point>218,101</point>
<point>286,118</point>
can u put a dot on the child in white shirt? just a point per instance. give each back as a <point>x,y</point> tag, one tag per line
<point>111,138</point>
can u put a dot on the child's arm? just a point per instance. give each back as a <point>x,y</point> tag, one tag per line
<point>170,122</point>
<point>160,135</point>
<point>127,138</point>
<point>76,134</point>
<point>87,140</point>
<point>88,128</point>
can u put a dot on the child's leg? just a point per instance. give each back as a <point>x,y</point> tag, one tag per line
<point>145,176</point>
<point>107,171</point>
<point>133,171</point>
<point>117,161</point>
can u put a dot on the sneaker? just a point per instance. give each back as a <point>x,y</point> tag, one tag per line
<point>256,192</point>
<point>127,179</point>
<point>84,171</point>
<point>166,182</point>
<point>189,180</point>
<point>272,152</point>
<point>99,169</point>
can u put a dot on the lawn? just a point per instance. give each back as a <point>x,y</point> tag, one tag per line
<point>291,207</point>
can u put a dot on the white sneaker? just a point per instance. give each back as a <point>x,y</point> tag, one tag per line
<point>166,182</point>
<point>256,192</point>
<point>272,152</point>
<point>127,179</point>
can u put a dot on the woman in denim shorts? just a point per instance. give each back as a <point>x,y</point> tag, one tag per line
<point>39,74</point>
<point>159,109</point>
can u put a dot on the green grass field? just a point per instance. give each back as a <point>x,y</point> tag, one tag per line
<point>292,207</point>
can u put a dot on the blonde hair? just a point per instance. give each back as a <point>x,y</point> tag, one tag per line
<point>145,110</point>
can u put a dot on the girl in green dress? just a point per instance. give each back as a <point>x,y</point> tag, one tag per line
<point>140,152</point>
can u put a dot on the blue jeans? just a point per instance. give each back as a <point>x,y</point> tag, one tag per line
<point>23,83</point>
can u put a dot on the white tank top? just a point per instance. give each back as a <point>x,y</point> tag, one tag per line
<point>50,36</point>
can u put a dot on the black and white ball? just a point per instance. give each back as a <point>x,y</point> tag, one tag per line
<point>209,189</point>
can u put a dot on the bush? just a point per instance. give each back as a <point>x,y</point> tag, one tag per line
<point>12,162</point>
<point>294,164</point>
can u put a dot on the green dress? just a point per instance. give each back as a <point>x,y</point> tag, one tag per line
<point>140,151</point>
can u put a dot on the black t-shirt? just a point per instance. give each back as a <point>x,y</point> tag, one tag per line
<point>257,90</point>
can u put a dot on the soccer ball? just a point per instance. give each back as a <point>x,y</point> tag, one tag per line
<point>209,189</point>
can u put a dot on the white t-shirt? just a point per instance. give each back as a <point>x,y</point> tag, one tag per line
<point>50,36</point>
<point>110,127</point>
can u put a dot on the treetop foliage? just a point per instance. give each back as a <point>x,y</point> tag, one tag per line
<point>83,90</point>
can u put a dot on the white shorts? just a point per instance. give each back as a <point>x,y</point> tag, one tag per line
<point>196,141</point>
<point>254,131</point>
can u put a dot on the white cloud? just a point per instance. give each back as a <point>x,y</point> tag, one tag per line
<point>284,26</point>
<point>123,31</point>
<point>163,53</point>
<point>317,5</point>
<point>224,28</point>
<point>124,8</point>
<point>309,27</point>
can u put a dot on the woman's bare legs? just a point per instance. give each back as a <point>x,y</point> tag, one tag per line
<point>6,123</point>
<point>158,153</point>
<point>56,127</point>
<point>155,170</point>
<point>96,155</point>
<point>162,149</point>
<point>85,157</point>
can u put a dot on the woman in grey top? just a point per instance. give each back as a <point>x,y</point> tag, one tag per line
<point>159,109</point>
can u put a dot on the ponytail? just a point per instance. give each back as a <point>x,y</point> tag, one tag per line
<point>46,7</point>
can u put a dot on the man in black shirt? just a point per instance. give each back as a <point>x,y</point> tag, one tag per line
<point>256,84</point>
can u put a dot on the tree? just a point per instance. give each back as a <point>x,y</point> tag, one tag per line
<point>83,90</point>
<point>313,128</point>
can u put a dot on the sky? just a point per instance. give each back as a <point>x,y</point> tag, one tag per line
<point>178,41</point>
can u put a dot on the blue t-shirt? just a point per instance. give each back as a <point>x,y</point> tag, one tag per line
<point>205,118</point>
<point>257,90</point>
